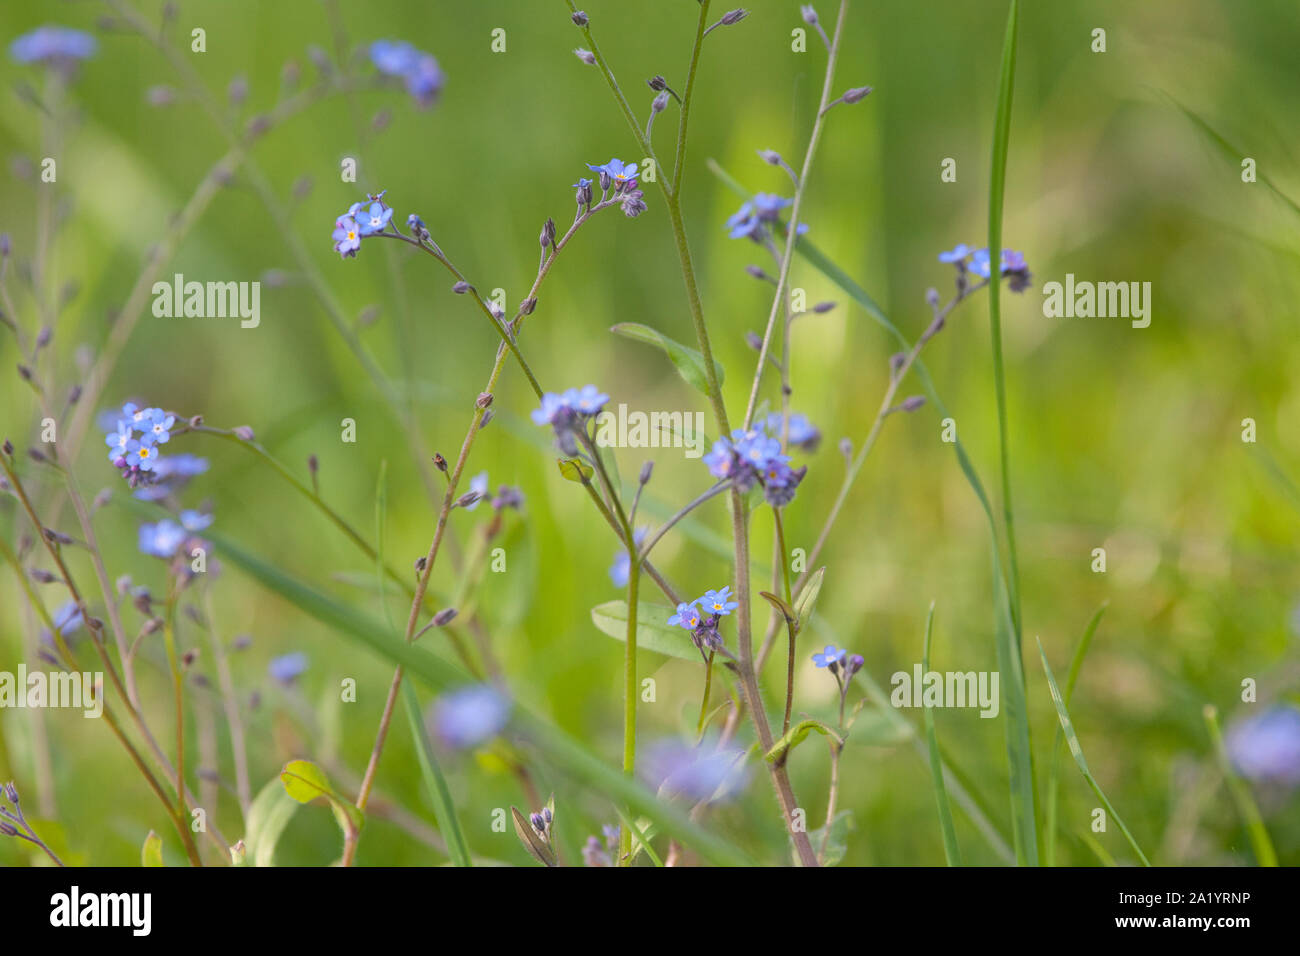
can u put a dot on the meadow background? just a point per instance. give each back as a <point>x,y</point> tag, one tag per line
<point>1122,438</point>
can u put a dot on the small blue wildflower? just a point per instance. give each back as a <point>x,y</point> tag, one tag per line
<point>687,616</point>
<point>719,602</point>
<point>1266,748</point>
<point>831,657</point>
<point>979,263</point>
<point>162,539</point>
<point>621,569</point>
<point>195,521</point>
<point>957,255</point>
<point>700,774</point>
<point>346,236</point>
<point>470,716</point>
<point>67,618</point>
<point>169,473</point>
<point>618,171</point>
<point>553,406</point>
<point>419,71</point>
<point>375,218</point>
<point>588,400</point>
<point>582,183</point>
<point>748,221</point>
<point>287,668</point>
<point>801,433</point>
<point>160,428</point>
<point>118,441</point>
<point>479,484</point>
<point>141,454</point>
<point>52,45</point>
<point>139,416</point>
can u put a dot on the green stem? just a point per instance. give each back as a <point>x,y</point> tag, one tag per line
<point>629,697</point>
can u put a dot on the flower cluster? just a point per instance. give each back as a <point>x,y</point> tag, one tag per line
<point>755,456</point>
<point>133,442</point>
<point>976,262</point>
<point>53,46</point>
<point>619,176</point>
<point>365,218</point>
<point>701,618</point>
<point>417,69</point>
<point>754,218</point>
<point>568,412</point>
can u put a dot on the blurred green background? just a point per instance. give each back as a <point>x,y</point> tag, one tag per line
<point>1122,438</point>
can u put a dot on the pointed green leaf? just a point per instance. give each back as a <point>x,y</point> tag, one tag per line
<point>689,362</point>
<point>652,631</point>
<point>795,735</point>
<point>573,469</point>
<point>151,852</point>
<point>807,599</point>
<point>304,782</point>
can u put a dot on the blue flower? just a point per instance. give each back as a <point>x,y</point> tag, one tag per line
<point>552,407</point>
<point>52,45</point>
<point>719,602</point>
<point>478,483</point>
<point>195,521</point>
<point>1266,748</point>
<point>347,236</point>
<point>700,774</point>
<point>141,454</point>
<point>621,569</point>
<point>287,668</point>
<point>160,428</point>
<point>470,716</point>
<point>67,618</point>
<point>747,222</point>
<point>161,540</point>
<point>169,473</point>
<point>979,263</point>
<point>375,218</point>
<point>618,171</point>
<point>721,459</point>
<point>831,657</point>
<point>118,441</point>
<point>138,416</point>
<point>957,254</point>
<point>582,183</point>
<point>418,70</point>
<point>801,433</point>
<point>588,400</point>
<point>687,616</point>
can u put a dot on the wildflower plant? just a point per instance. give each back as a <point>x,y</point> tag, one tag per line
<point>465,706</point>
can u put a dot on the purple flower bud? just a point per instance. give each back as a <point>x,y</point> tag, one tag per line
<point>821,308</point>
<point>846,448</point>
<point>461,287</point>
<point>855,94</point>
<point>646,471</point>
<point>809,14</point>
<point>660,101</point>
<point>733,16</point>
<point>444,617</point>
<point>243,432</point>
<point>770,156</point>
<point>757,273</point>
<point>547,236</point>
<point>580,19</point>
<point>912,403</point>
<point>586,56</point>
<point>657,83</point>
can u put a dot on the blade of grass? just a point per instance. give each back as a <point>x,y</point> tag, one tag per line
<point>438,674</point>
<point>951,851</point>
<point>1255,829</point>
<point>1063,713</point>
<point>1076,663</point>
<point>443,807</point>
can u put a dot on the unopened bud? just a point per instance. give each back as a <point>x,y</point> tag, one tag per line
<point>857,93</point>
<point>484,400</point>
<point>440,463</point>
<point>580,19</point>
<point>243,432</point>
<point>586,56</point>
<point>646,471</point>
<point>444,617</point>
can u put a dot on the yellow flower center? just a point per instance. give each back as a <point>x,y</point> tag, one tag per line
<point>144,452</point>
<point>352,235</point>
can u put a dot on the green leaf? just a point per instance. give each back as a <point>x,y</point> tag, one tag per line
<point>561,748</point>
<point>538,848</point>
<point>1077,751</point>
<point>785,610</point>
<point>305,782</point>
<point>951,850</point>
<point>269,814</point>
<point>1076,663</point>
<point>689,362</point>
<point>435,782</point>
<point>652,633</point>
<point>574,469</point>
<point>803,605</point>
<point>795,735</point>
<point>151,852</point>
